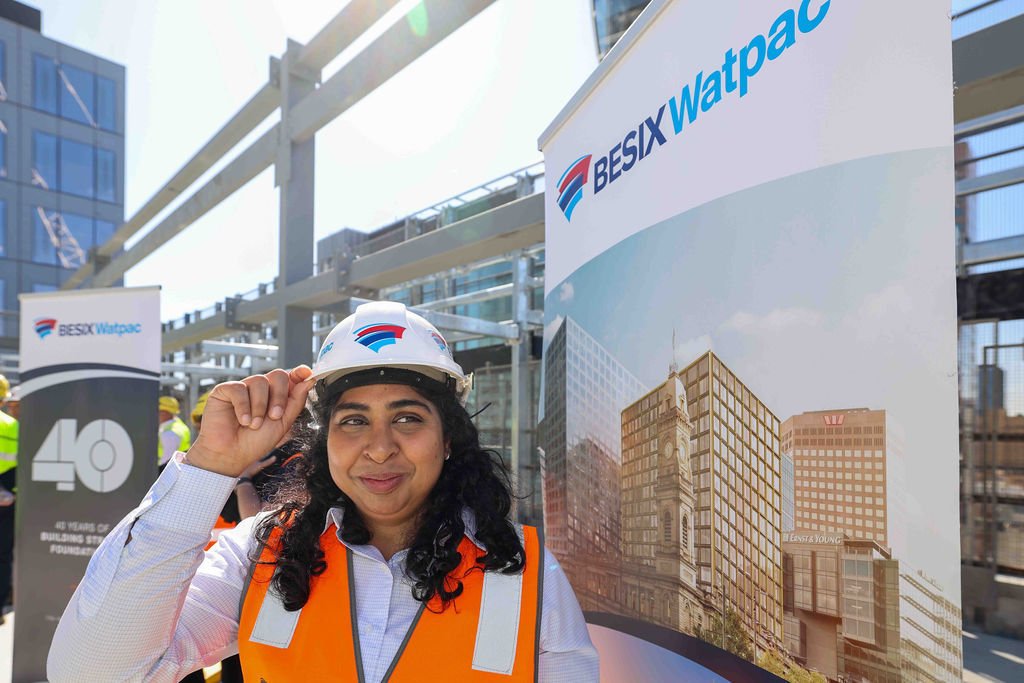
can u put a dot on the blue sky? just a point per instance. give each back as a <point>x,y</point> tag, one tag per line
<point>468,111</point>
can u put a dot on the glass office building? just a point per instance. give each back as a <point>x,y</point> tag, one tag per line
<point>612,18</point>
<point>61,159</point>
<point>585,391</point>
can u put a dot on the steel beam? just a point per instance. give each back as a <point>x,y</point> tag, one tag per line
<point>239,349</point>
<point>989,122</point>
<point>202,371</point>
<point>351,22</point>
<point>505,228</point>
<point>233,177</point>
<point>988,69</point>
<point>990,251</point>
<point>396,48</point>
<point>259,107</point>
<point>341,31</point>
<point>488,294</point>
<point>518,224</point>
<point>521,398</point>
<point>295,177</point>
<point>991,181</point>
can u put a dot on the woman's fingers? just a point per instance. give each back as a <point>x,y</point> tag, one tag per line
<point>259,397</point>
<point>236,394</point>
<point>300,373</point>
<point>297,396</point>
<point>279,385</point>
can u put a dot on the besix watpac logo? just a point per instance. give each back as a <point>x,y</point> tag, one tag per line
<point>378,335</point>
<point>570,185</point>
<point>46,326</point>
<point>700,94</point>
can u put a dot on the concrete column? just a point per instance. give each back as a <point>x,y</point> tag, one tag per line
<point>294,175</point>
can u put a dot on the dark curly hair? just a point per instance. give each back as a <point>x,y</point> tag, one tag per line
<point>473,478</point>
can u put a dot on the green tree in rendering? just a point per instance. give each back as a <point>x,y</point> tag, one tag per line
<point>735,636</point>
<point>790,671</point>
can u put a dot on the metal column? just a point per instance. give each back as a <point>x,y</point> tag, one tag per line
<point>521,394</point>
<point>294,174</point>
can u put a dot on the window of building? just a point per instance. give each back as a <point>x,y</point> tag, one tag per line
<point>3,231</point>
<point>44,83</point>
<point>3,146</point>
<point>3,70</point>
<point>106,103</point>
<point>77,164</point>
<point>44,160</point>
<point>73,93</point>
<point>667,526</point>
<point>105,175</point>
<point>77,94</point>
<point>81,228</point>
<point>43,250</point>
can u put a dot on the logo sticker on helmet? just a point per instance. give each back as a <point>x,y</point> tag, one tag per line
<point>324,351</point>
<point>378,335</point>
<point>439,340</point>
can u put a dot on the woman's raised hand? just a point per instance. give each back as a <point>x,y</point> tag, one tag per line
<point>244,420</point>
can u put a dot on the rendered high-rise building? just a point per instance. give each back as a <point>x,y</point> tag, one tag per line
<point>585,389</point>
<point>736,470</point>
<point>847,465</point>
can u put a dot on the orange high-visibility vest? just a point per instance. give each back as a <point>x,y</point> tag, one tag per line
<point>489,633</point>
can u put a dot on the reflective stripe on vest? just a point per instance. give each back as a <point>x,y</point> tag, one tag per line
<point>489,633</point>
<point>8,443</point>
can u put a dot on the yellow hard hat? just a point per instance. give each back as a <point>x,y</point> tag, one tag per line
<point>170,404</point>
<point>197,412</point>
<point>5,387</point>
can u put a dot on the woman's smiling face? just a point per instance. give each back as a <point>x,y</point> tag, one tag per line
<point>385,449</point>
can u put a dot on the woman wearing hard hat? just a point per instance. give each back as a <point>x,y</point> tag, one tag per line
<point>393,560</point>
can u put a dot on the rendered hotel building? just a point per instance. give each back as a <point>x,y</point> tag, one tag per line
<point>717,498</point>
<point>845,464</point>
<point>584,391</point>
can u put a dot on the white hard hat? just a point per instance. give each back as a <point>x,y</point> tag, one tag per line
<point>386,337</point>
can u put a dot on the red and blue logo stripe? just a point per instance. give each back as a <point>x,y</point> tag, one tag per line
<point>45,327</point>
<point>378,335</point>
<point>570,185</point>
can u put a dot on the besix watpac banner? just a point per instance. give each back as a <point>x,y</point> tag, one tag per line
<point>90,373</point>
<point>750,402</point>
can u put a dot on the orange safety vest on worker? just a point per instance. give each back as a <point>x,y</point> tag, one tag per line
<point>471,640</point>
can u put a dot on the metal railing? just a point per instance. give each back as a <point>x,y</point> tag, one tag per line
<point>970,16</point>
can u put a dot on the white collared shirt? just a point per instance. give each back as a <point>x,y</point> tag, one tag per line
<point>144,612</point>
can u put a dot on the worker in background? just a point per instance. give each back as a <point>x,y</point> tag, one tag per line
<point>13,405</point>
<point>8,485</point>
<point>174,433</point>
<point>398,513</point>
